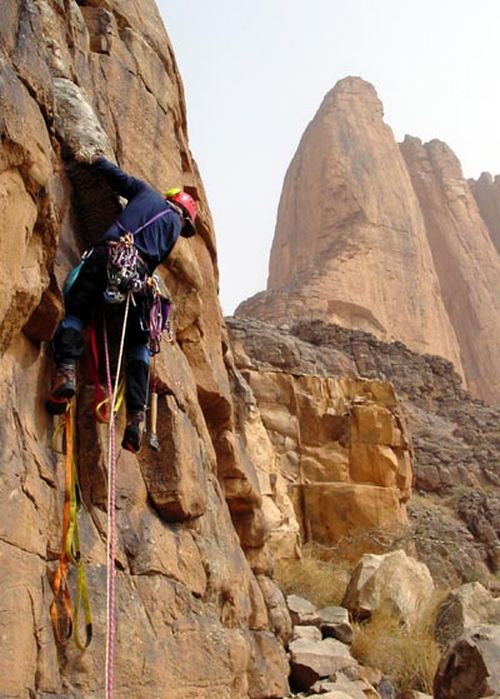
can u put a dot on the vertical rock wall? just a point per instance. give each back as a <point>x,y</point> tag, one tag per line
<point>465,259</point>
<point>192,618</point>
<point>350,242</point>
<point>487,193</point>
<point>383,239</point>
<point>341,445</point>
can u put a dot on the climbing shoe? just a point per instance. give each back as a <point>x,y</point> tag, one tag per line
<point>133,431</point>
<point>63,389</point>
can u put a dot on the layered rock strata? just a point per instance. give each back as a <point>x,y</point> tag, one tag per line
<point>454,522</point>
<point>455,436</point>
<point>340,445</point>
<point>385,239</point>
<point>192,617</point>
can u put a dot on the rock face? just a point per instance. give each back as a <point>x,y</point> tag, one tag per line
<point>364,235</point>
<point>466,261</point>
<point>337,444</point>
<point>487,193</point>
<point>455,437</point>
<point>76,77</point>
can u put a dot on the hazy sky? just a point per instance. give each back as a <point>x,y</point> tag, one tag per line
<point>256,72</point>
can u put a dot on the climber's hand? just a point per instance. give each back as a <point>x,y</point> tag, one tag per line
<point>87,154</point>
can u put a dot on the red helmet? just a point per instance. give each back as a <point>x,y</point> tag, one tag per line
<point>188,205</point>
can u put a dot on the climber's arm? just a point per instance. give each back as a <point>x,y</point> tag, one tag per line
<point>123,184</point>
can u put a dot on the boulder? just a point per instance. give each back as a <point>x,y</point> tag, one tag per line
<point>393,581</point>
<point>310,633</point>
<point>302,612</point>
<point>313,660</point>
<point>334,622</point>
<point>340,684</point>
<point>468,606</point>
<point>470,667</point>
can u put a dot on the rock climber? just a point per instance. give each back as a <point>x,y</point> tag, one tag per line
<point>156,222</point>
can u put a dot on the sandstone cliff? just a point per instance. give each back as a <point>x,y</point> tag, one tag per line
<point>340,444</point>
<point>376,238</point>
<point>465,259</point>
<point>338,457</point>
<point>487,193</point>
<point>192,618</point>
<point>258,447</point>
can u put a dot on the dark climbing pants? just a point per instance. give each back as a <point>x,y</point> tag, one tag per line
<point>83,299</point>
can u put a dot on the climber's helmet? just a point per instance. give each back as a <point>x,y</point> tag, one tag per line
<point>188,207</point>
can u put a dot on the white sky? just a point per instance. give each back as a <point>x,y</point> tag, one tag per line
<point>255,73</point>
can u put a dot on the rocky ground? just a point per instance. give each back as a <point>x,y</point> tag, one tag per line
<point>460,638</point>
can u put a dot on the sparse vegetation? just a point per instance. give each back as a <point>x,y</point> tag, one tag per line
<point>321,582</point>
<point>407,655</point>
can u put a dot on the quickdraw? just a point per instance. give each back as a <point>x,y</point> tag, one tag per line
<point>159,315</point>
<point>64,620</point>
<point>122,270</point>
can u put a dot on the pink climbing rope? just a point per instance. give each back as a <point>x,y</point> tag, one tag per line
<point>111,505</point>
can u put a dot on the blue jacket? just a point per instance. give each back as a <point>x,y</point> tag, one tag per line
<point>155,242</point>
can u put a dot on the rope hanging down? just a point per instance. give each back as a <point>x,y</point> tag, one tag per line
<point>111,516</point>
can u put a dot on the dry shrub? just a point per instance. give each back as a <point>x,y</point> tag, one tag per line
<point>321,582</point>
<point>409,656</point>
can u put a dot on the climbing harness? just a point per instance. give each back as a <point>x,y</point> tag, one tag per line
<point>64,620</point>
<point>111,504</point>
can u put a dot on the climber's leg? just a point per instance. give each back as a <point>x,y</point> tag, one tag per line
<point>68,343</point>
<point>137,371</point>
<point>137,395</point>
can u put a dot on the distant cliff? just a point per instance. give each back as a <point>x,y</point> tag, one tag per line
<point>386,239</point>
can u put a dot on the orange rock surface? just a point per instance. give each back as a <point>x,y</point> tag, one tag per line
<point>191,616</point>
<point>385,239</point>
